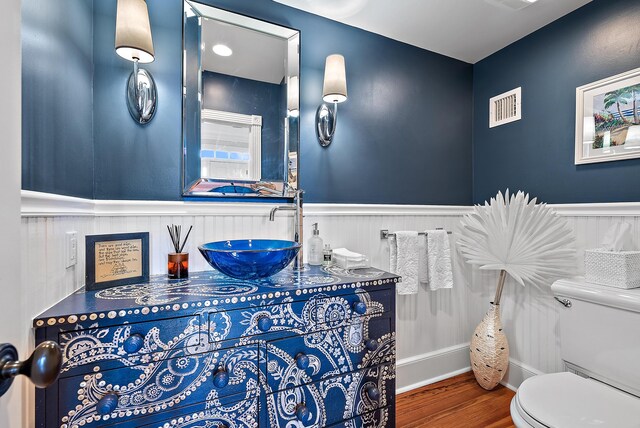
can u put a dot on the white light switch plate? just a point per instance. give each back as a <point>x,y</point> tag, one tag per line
<point>71,249</point>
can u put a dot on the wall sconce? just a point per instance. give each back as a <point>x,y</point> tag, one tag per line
<point>334,91</point>
<point>293,93</point>
<point>134,43</point>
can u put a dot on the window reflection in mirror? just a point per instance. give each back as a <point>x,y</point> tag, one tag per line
<point>240,104</point>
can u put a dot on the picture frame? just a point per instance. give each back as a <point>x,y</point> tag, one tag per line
<point>116,259</point>
<point>608,119</point>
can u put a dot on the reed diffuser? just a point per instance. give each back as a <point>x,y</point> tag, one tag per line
<point>178,262</point>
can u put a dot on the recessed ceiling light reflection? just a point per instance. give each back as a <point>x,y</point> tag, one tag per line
<point>222,50</point>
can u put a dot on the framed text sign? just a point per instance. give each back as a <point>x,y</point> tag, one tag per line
<point>116,259</point>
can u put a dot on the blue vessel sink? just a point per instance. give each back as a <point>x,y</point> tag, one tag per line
<point>250,258</point>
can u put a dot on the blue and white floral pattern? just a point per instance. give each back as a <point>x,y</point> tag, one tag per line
<point>178,360</point>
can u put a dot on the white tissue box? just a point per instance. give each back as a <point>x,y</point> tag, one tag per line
<point>348,263</point>
<point>620,269</point>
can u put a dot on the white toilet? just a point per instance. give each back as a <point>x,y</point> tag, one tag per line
<point>600,343</point>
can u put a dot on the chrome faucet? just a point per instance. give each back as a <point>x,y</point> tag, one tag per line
<point>298,263</point>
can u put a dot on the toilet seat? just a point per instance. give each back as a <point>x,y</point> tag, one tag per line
<point>565,400</point>
<point>520,418</point>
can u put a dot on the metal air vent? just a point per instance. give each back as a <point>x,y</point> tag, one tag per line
<point>505,108</point>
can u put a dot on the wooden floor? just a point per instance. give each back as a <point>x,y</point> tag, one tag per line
<point>456,402</point>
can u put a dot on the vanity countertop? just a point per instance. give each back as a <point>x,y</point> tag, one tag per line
<point>162,298</point>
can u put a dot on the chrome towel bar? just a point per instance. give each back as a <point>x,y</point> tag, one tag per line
<point>385,234</point>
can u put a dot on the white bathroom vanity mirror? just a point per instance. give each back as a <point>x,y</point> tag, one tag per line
<point>240,105</point>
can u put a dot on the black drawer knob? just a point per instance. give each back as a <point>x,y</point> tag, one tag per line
<point>302,413</point>
<point>302,361</point>
<point>265,323</point>
<point>107,404</point>
<point>221,378</point>
<point>373,393</point>
<point>371,344</point>
<point>133,343</point>
<point>360,308</point>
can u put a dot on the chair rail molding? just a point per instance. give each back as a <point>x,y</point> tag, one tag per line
<point>323,210</point>
<point>38,204</point>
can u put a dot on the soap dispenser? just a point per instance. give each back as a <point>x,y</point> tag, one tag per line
<point>315,247</point>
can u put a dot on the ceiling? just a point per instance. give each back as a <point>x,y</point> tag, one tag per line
<point>256,55</point>
<point>469,30</point>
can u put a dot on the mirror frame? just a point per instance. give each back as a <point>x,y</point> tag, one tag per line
<point>203,187</point>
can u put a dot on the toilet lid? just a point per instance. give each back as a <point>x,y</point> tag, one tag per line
<point>565,400</point>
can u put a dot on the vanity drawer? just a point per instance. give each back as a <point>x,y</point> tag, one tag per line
<point>298,360</point>
<point>381,418</point>
<point>128,344</point>
<point>256,321</point>
<point>182,379</point>
<point>334,311</point>
<point>241,413</point>
<point>334,400</point>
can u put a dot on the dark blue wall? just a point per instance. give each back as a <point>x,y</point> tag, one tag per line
<point>404,136</point>
<point>133,161</point>
<point>536,154</point>
<point>57,102</point>
<point>252,97</point>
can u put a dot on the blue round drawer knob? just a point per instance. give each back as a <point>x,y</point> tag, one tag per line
<point>302,361</point>
<point>302,413</point>
<point>221,378</point>
<point>265,323</point>
<point>360,308</point>
<point>133,343</point>
<point>107,404</point>
<point>373,393</point>
<point>371,344</point>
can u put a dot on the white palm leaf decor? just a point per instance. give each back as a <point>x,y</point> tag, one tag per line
<point>516,236</point>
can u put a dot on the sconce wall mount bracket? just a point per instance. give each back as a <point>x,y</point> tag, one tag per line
<point>326,121</point>
<point>142,95</point>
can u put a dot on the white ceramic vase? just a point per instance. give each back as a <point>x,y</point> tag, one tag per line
<point>489,350</point>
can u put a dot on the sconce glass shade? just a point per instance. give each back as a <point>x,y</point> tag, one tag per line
<point>293,101</point>
<point>335,80</point>
<point>133,31</point>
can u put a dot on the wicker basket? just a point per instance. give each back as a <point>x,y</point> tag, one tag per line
<point>620,269</point>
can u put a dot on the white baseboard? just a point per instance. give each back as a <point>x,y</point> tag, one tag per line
<point>518,372</point>
<point>425,369</point>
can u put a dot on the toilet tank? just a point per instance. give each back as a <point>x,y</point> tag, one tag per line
<point>600,332</point>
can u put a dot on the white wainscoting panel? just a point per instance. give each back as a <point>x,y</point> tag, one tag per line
<point>433,328</point>
<point>426,322</point>
<point>530,315</point>
<point>43,246</point>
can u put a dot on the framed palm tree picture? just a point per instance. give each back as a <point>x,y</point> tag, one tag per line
<point>608,119</point>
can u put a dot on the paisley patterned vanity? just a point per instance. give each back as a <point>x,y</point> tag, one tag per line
<point>312,349</point>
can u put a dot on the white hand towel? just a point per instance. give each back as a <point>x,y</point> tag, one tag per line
<point>403,260</point>
<point>439,260</point>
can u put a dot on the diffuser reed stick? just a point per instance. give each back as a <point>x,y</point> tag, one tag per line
<point>175,232</point>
